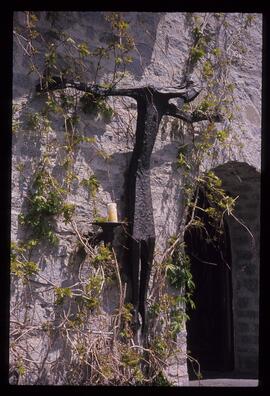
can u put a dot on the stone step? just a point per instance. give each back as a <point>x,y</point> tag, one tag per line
<point>225,382</point>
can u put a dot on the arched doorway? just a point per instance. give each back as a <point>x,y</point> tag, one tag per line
<point>223,330</point>
<point>210,328</point>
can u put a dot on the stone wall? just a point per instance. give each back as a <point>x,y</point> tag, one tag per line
<point>242,180</point>
<point>162,45</point>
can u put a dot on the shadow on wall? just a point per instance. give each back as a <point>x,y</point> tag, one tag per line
<point>93,28</point>
<point>95,31</point>
<point>143,27</point>
<point>119,164</point>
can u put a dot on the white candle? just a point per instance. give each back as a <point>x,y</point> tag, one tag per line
<point>112,212</point>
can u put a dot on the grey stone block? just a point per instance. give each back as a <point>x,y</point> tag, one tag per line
<point>250,284</point>
<point>249,268</point>
<point>243,254</point>
<point>242,327</point>
<point>248,364</point>
<point>251,314</point>
<point>242,302</point>
<point>248,339</point>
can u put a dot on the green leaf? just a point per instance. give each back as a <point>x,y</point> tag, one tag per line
<point>208,70</point>
<point>61,293</point>
<point>222,135</point>
<point>182,162</point>
<point>83,49</point>
<point>217,51</point>
<point>196,54</point>
<point>118,60</point>
<point>68,210</point>
<point>104,254</point>
<point>92,184</point>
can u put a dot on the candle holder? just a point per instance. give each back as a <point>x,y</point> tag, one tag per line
<point>107,233</point>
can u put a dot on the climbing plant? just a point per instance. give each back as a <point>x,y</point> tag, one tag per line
<point>98,348</point>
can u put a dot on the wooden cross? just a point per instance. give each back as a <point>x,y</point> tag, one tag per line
<point>152,104</point>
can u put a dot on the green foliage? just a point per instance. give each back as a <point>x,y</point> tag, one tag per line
<point>120,27</point>
<point>161,380</point>
<point>216,204</point>
<point>130,357</point>
<point>68,210</point>
<point>154,309</point>
<point>39,122</point>
<point>92,184</point>
<point>182,161</point>
<point>217,51</point>
<point>200,45</point>
<point>87,139</point>
<point>197,33</point>
<point>216,195</point>
<point>83,49</point>
<point>19,265</point>
<point>52,105</point>
<point>196,54</point>
<point>100,219</point>
<point>126,312</point>
<point>117,21</point>
<point>104,259</point>
<point>91,302</point>
<point>179,276</point>
<point>222,135</point>
<point>47,327</point>
<point>170,312</point>
<point>177,269</point>
<point>249,20</point>
<point>103,154</point>
<point>20,367</point>
<point>23,269</point>
<point>90,298</point>
<point>45,200</point>
<point>94,104</point>
<point>68,103</point>
<point>208,103</point>
<point>104,254</point>
<point>178,320</point>
<point>159,346</point>
<point>61,293</point>
<point>208,69</point>
<point>126,319</point>
<point>94,284</point>
<point>51,57</point>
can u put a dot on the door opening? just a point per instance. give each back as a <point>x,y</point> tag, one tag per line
<point>210,328</point>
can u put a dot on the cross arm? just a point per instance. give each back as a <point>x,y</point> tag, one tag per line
<point>196,116</point>
<point>56,83</point>
<point>185,92</point>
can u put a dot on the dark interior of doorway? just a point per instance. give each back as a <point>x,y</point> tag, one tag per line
<point>210,327</point>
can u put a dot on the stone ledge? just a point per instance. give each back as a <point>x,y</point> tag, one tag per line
<point>223,382</point>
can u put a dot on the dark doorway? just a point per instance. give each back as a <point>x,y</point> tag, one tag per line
<point>210,328</point>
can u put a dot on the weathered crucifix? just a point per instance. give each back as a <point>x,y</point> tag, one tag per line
<point>152,104</point>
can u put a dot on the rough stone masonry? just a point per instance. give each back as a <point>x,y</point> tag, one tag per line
<point>162,43</point>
